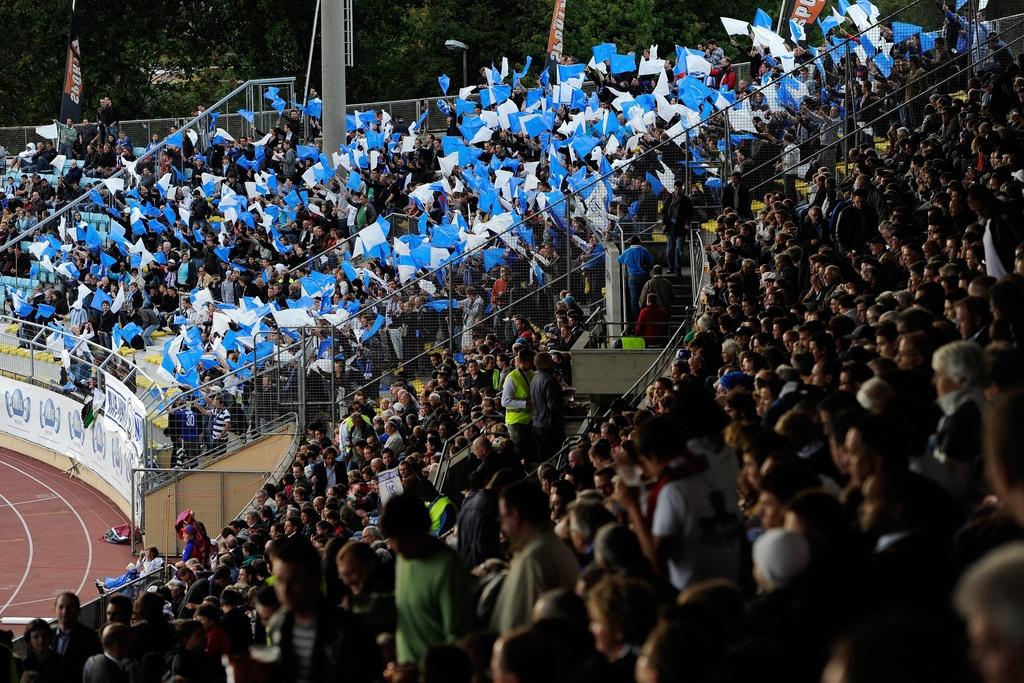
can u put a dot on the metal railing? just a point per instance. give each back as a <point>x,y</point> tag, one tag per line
<point>166,475</point>
<point>148,481</point>
<point>496,317</point>
<point>956,75</point>
<point>42,366</point>
<point>93,613</point>
<point>250,89</point>
<point>699,270</point>
<point>630,395</point>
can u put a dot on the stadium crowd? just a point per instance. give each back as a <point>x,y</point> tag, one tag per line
<point>827,486</point>
<point>232,244</point>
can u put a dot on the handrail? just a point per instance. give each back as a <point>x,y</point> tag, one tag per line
<point>95,349</point>
<point>151,153</point>
<point>697,275</point>
<point>655,367</point>
<point>722,113</point>
<point>927,92</point>
<point>221,451</point>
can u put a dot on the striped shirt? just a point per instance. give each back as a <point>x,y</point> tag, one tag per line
<point>221,419</point>
<point>303,643</point>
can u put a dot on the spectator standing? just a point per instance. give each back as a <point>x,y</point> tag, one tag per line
<point>72,640</point>
<point>67,138</point>
<point>548,405</point>
<point>652,323</point>
<point>515,399</point>
<point>431,583</point>
<point>108,118</point>
<point>638,262</point>
<point>660,286</point>
<point>736,196</point>
<point>676,214</point>
<point>540,560</point>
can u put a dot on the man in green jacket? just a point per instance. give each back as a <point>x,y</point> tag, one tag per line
<point>432,586</point>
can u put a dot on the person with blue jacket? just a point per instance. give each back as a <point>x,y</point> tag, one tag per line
<point>638,262</point>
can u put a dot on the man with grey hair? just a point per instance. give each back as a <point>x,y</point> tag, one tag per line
<point>990,598</point>
<point>394,439</point>
<point>873,394</point>
<point>585,519</point>
<point>961,374</point>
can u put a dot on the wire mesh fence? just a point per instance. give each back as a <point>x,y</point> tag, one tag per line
<point>158,155</point>
<point>215,497</point>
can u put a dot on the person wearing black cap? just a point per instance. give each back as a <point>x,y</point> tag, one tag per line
<point>736,196</point>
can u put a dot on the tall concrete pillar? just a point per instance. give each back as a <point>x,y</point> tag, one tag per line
<point>332,45</point>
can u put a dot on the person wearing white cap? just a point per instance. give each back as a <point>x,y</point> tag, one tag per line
<point>780,558</point>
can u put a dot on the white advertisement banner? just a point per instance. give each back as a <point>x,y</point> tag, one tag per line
<point>125,410</point>
<point>54,421</point>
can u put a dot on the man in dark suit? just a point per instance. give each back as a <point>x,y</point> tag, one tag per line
<point>675,218</point>
<point>327,473</point>
<point>910,518</point>
<point>736,196</point>
<point>857,224</point>
<point>111,665</point>
<point>72,640</point>
<point>202,588</point>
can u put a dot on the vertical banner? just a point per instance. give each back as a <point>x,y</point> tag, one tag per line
<point>806,11</point>
<point>71,97</point>
<point>555,43</point>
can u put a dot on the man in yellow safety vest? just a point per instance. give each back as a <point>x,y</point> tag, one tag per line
<point>515,399</point>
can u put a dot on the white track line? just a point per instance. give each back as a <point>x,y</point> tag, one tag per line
<point>26,502</point>
<point>85,530</point>
<point>31,552</point>
<point>75,485</point>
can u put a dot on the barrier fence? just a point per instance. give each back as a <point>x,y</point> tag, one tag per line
<point>248,95</point>
<point>216,498</point>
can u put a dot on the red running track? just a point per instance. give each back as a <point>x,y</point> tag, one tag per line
<point>50,537</point>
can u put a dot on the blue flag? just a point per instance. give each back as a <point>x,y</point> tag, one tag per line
<point>493,257</point>
<point>374,329</point>
<point>621,64</point>
<point>443,81</point>
<point>656,185</point>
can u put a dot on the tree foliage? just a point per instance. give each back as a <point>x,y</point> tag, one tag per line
<point>163,57</point>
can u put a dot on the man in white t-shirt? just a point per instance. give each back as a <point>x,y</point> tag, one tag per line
<point>687,524</point>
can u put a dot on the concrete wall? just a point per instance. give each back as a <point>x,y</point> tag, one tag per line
<point>217,493</point>
<point>604,372</point>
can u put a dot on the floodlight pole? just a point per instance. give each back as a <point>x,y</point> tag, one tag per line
<point>333,55</point>
<point>309,62</point>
